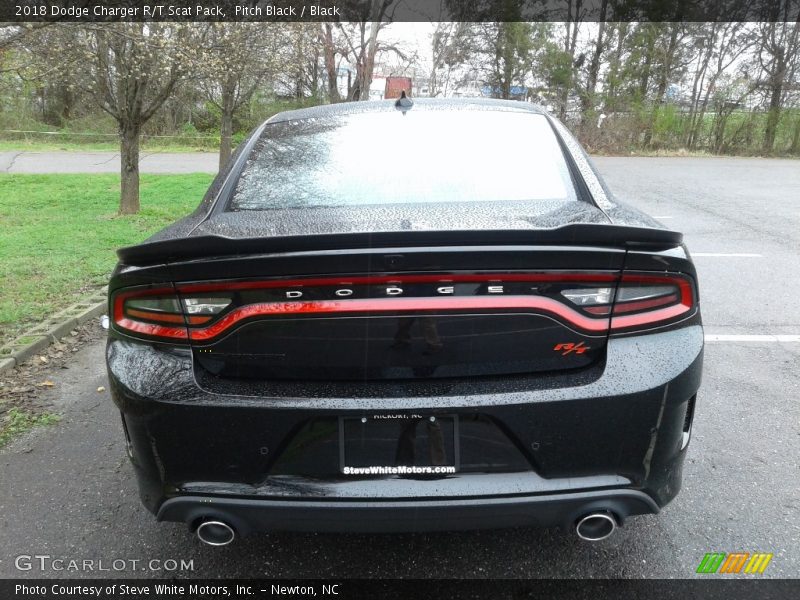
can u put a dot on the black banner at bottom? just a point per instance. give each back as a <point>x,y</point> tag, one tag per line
<point>439,589</point>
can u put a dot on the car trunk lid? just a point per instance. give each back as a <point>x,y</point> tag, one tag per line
<point>398,305</point>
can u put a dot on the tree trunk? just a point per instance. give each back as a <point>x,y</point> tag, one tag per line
<point>225,139</point>
<point>697,86</point>
<point>67,100</point>
<point>569,48</point>
<point>697,125</point>
<point>644,84</point>
<point>720,124</point>
<point>663,80</point>
<point>507,50</point>
<point>315,75</point>
<point>329,54</point>
<point>587,101</point>
<point>129,174</point>
<point>369,63</point>
<point>773,116</point>
<point>226,127</point>
<point>795,147</point>
<point>612,78</point>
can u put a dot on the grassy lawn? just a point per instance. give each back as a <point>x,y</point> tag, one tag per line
<point>58,234</point>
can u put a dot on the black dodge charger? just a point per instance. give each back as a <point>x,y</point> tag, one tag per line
<point>407,317</point>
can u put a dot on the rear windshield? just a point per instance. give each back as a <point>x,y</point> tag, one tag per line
<point>394,158</point>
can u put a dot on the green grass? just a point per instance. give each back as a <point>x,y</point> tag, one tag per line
<point>17,421</point>
<point>58,235</point>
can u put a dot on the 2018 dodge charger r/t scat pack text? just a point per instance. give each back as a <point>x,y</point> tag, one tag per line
<point>402,318</point>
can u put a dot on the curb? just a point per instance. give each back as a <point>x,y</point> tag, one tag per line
<point>50,330</point>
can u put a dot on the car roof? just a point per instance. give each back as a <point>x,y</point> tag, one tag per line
<point>420,104</point>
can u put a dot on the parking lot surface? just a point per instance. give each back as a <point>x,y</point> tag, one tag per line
<point>69,492</point>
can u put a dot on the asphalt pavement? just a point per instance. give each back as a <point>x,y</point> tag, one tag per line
<point>68,491</point>
<point>106,162</point>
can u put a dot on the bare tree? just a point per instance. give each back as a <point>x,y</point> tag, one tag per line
<point>778,55</point>
<point>668,64</point>
<point>14,33</point>
<point>331,65</point>
<point>360,45</point>
<point>237,59</point>
<point>31,54</point>
<point>588,96</point>
<point>134,67</point>
<point>671,83</point>
<point>618,37</point>
<point>449,50</point>
<point>300,59</point>
<point>721,45</point>
<point>575,15</point>
<point>499,54</point>
<point>128,69</point>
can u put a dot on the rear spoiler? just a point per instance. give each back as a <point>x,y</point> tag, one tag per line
<point>211,246</point>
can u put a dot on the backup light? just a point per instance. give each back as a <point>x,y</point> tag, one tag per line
<point>205,306</point>
<point>589,296</point>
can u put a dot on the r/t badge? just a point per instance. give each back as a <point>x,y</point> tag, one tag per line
<point>569,348</point>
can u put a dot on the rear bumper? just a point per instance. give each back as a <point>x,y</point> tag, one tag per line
<point>555,510</point>
<point>612,438</point>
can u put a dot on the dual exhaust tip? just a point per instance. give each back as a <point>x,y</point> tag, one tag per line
<point>596,526</point>
<point>593,527</point>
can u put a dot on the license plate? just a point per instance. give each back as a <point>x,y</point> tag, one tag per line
<point>406,445</point>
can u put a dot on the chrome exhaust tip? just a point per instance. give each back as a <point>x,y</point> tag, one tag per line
<point>596,526</point>
<point>215,533</point>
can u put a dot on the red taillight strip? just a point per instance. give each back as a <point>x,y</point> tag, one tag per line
<point>155,315</point>
<point>683,284</point>
<point>472,278</point>
<point>535,303</point>
<point>401,304</point>
<point>123,322</point>
<point>177,333</point>
<point>646,318</point>
<point>601,310</point>
<point>648,304</point>
<point>650,317</point>
<point>167,317</point>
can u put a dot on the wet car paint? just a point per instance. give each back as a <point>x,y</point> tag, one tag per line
<point>614,426</point>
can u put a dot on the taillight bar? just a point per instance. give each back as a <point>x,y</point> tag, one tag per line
<point>131,320</point>
<point>378,305</point>
<point>185,312</point>
<point>640,313</point>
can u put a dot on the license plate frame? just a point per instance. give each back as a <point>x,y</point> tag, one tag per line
<point>377,433</point>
